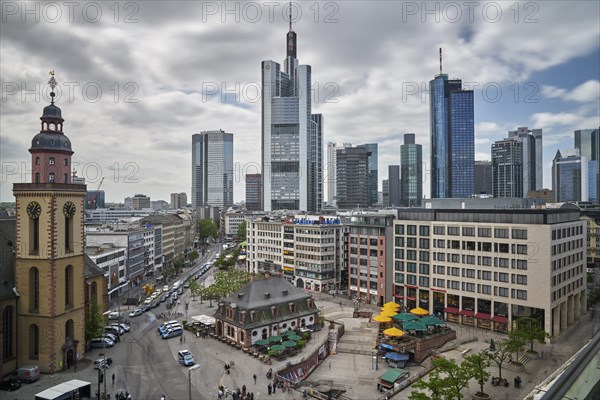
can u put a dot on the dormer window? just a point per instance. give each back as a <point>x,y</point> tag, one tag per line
<point>51,161</point>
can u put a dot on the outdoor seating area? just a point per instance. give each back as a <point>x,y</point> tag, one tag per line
<point>279,347</point>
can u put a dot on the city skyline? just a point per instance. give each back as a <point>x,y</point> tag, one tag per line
<point>379,82</point>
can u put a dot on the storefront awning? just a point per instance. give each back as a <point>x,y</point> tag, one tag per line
<point>451,310</point>
<point>481,315</point>
<point>466,313</point>
<point>500,319</point>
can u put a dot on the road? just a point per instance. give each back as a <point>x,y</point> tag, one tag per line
<point>144,363</point>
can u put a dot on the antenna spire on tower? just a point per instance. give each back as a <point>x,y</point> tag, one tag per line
<point>440,60</point>
<point>290,16</point>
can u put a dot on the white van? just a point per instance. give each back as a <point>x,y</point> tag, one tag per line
<point>169,333</point>
<point>27,373</point>
<point>164,325</point>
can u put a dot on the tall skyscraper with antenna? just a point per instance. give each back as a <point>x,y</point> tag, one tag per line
<point>292,137</point>
<point>451,111</point>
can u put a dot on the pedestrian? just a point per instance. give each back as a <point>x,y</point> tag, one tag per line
<point>244,390</point>
<point>113,378</point>
<point>274,386</point>
<point>254,377</point>
<point>330,365</point>
<point>181,339</point>
<point>251,395</point>
<point>270,388</point>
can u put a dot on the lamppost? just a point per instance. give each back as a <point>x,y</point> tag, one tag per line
<point>190,378</point>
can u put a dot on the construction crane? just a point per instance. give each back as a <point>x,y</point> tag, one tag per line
<point>92,202</point>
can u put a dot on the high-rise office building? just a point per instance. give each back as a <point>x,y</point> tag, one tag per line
<point>140,201</point>
<point>373,175</point>
<point>178,200</point>
<point>532,159</point>
<point>571,177</point>
<point>352,177</point>
<point>482,174</point>
<point>291,136</point>
<point>393,187</point>
<point>95,199</point>
<point>254,192</point>
<point>411,172</point>
<point>330,172</point>
<point>212,169</point>
<point>588,143</point>
<point>507,168</point>
<point>451,113</point>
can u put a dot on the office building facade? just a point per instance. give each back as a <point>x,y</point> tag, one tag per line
<point>532,157</point>
<point>573,177</point>
<point>178,200</point>
<point>372,160</point>
<point>291,140</point>
<point>507,168</point>
<point>254,192</point>
<point>411,172</point>
<point>588,143</point>
<point>451,111</point>
<point>478,267</point>
<point>212,169</point>
<point>393,187</point>
<point>330,173</point>
<point>352,177</point>
<point>482,174</point>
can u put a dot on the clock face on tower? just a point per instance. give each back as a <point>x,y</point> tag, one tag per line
<point>34,209</point>
<point>69,209</point>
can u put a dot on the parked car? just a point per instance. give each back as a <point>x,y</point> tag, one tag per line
<point>102,363</point>
<point>165,288</point>
<point>136,312</point>
<point>27,373</point>
<point>148,301</point>
<point>100,343</point>
<point>112,337</point>
<point>124,327</point>
<point>114,315</point>
<point>145,308</point>
<point>115,330</point>
<point>10,384</point>
<point>169,333</point>
<point>185,357</point>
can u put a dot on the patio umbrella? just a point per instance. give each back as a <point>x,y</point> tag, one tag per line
<point>274,339</point>
<point>413,326</point>
<point>289,343</point>
<point>391,304</point>
<point>392,355</point>
<point>405,317</point>
<point>262,342</point>
<point>277,347</point>
<point>419,311</point>
<point>381,318</point>
<point>393,332</point>
<point>388,313</point>
<point>294,337</point>
<point>432,321</point>
<point>287,333</point>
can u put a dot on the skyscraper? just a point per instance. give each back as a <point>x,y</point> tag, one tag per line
<point>411,172</point>
<point>393,187</point>
<point>330,172</point>
<point>533,166</point>
<point>482,174</point>
<point>253,192</point>
<point>178,200</point>
<point>588,143</point>
<point>291,140</point>
<point>373,175</point>
<point>451,113</point>
<point>352,177</point>
<point>212,169</point>
<point>507,168</point>
<point>571,177</point>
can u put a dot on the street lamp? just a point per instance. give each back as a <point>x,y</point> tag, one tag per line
<point>190,378</point>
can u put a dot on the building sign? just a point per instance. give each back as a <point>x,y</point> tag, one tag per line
<point>320,221</point>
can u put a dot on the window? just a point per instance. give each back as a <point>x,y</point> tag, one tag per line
<point>37,177</point>
<point>34,342</point>
<point>521,264</point>
<point>411,242</point>
<point>522,294</point>
<point>439,283</point>
<point>441,244</point>
<point>503,262</point>
<point>399,241</point>
<point>484,232</point>
<point>424,269</point>
<point>69,286</point>
<point>468,287</point>
<point>411,267</point>
<point>69,329</point>
<point>519,233</point>
<point>453,230</point>
<point>66,162</point>
<point>424,281</point>
<point>51,161</point>
<point>486,289</point>
<point>502,247</point>
<point>521,249</point>
<point>468,231</point>
<point>424,230</point>
<point>399,229</point>
<point>399,253</point>
<point>399,266</point>
<point>485,246</point>
<point>439,230</point>
<point>8,331</point>
<point>503,277</point>
<point>503,292</point>
<point>411,255</point>
<point>424,243</point>
<point>486,275</point>
<point>441,269</point>
<point>411,230</point>
<point>501,233</point>
<point>34,289</point>
<point>399,278</point>
<point>66,178</point>
<point>51,177</point>
<point>520,279</point>
<point>411,279</point>
<point>423,256</point>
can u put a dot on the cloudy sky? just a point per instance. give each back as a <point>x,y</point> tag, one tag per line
<point>139,78</point>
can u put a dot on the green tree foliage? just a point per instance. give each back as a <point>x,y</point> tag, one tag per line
<point>94,322</point>
<point>194,286</point>
<point>476,366</point>
<point>516,341</point>
<point>206,229</point>
<point>445,382</point>
<point>227,282</point>
<point>500,355</point>
<point>532,331</point>
<point>241,231</point>
<point>178,263</point>
<point>193,256</point>
<point>594,296</point>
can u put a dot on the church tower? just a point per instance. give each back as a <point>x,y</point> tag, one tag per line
<point>50,252</point>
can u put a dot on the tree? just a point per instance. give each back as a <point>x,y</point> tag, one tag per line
<point>445,382</point>
<point>206,229</point>
<point>532,331</point>
<point>168,270</point>
<point>500,355</point>
<point>476,367</point>
<point>241,231</point>
<point>94,322</point>
<point>193,256</point>
<point>178,263</point>
<point>194,286</point>
<point>516,341</point>
<point>227,282</point>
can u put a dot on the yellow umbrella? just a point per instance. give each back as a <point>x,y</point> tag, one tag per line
<point>388,313</point>
<point>419,311</point>
<point>386,308</point>
<point>393,332</point>
<point>381,318</point>
<point>391,304</point>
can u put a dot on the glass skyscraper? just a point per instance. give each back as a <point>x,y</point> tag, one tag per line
<point>571,177</point>
<point>373,171</point>
<point>411,172</point>
<point>291,140</point>
<point>507,168</point>
<point>588,143</point>
<point>451,111</point>
<point>212,169</point>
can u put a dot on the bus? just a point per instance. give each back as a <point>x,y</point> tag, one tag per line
<point>70,390</point>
